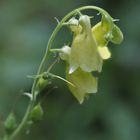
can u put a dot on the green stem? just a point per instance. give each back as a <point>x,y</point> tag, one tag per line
<point>56,50</point>
<point>42,65</point>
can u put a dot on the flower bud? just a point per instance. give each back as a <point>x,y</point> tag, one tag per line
<point>65,53</point>
<point>10,123</point>
<point>117,35</point>
<point>37,113</point>
<point>74,25</point>
<point>41,84</point>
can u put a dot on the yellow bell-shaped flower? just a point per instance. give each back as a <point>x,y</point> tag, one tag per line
<point>83,83</point>
<point>84,53</point>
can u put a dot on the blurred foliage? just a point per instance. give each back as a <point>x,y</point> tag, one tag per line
<point>111,114</point>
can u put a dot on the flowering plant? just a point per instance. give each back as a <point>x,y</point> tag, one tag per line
<point>88,50</point>
<point>85,55</point>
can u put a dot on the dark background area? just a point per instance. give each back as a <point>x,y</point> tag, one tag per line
<point>111,114</point>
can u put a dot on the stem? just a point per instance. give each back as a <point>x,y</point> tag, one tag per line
<point>56,50</point>
<point>42,65</point>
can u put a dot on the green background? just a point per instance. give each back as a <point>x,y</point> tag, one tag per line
<point>111,114</point>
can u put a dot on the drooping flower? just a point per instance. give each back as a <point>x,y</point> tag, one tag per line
<point>89,49</point>
<point>84,82</point>
<point>84,52</point>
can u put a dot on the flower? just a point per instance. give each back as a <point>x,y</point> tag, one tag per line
<point>84,52</point>
<point>101,31</point>
<point>84,82</point>
<point>87,52</point>
<point>90,45</point>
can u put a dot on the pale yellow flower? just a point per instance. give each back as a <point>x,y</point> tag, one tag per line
<point>84,83</point>
<point>84,53</point>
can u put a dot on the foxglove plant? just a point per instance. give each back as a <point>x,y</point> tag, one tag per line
<point>85,55</point>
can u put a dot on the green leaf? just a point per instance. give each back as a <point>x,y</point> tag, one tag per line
<point>85,84</point>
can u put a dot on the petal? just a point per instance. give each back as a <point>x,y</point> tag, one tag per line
<point>104,52</point>
<point>99,34</point>
<point>84,53</point>
<point>85,83</point>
